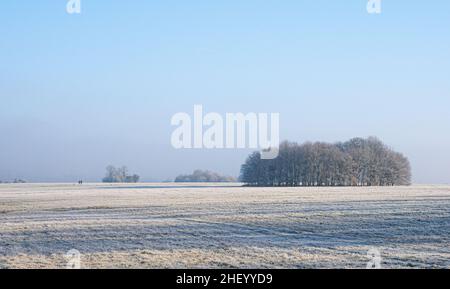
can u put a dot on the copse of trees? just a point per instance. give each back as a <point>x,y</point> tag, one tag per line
<point>119,175</point>
<point>357,162</point>
<point>204,176</point>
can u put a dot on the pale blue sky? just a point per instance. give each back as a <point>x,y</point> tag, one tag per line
<point>79,92</point>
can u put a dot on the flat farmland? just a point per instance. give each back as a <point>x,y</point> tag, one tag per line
<point>222,226</point>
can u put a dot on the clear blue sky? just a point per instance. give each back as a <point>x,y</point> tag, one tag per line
<point>79,92</point>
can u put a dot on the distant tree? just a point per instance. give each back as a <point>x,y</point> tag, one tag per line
<point>119,175</point>
<point>132,179</point>
<point>357,162</point>
<point>110,176</point>
<point>204,177</point>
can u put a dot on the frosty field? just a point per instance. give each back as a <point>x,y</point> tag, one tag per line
<point>217,226</point>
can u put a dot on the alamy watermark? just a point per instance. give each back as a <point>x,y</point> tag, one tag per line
<point>374,6</point>
<point>73,258</point>
<point>73,7</point>
<point>374,256</point>
<point>236,130</point>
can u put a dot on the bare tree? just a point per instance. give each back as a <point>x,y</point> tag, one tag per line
<point>119,175</point>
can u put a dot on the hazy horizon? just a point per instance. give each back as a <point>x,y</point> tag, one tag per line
<point>80,92</point>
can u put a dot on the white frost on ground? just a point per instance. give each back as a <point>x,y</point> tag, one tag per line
<point>222,226</point>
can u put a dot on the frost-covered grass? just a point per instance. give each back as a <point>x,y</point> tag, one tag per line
<point>222,226</point>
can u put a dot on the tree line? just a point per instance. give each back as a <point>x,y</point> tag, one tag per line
<point>357,162</point>
<point>203,176</point>
<point>15,181</point>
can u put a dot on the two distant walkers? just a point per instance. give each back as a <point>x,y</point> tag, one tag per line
<point>80,182</point>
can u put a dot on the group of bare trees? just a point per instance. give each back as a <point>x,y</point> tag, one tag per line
<point>357,162</point>
<point>204,176</point>
<point>119,175</point>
